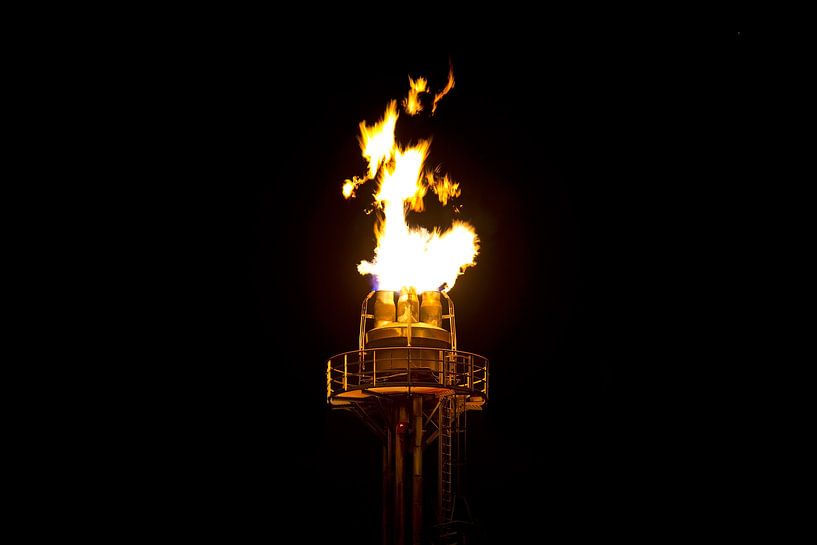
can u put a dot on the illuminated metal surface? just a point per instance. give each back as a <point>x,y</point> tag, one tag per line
<point>359,374</point>
<point>411,386</point>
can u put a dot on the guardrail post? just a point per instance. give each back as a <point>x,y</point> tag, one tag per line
<point>470,372</point>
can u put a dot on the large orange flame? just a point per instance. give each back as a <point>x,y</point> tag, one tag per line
<point>410,257</point>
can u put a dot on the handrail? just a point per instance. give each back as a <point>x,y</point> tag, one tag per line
<point>452,324</point>
<point>460,371</point>
<point>364,315</point>
<point>423,348</point>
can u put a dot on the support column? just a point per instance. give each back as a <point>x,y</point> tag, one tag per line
<point>388,475</point>
<point>417,484</point>
<point>399,471</point>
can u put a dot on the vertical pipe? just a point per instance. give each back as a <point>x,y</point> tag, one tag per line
<point>417,485</point>
<point>388,475</point>
<point>408,310</point>
<point>408,306</point>
<point>384,308</point>
<point>399,471</point>
<point>431,309</point>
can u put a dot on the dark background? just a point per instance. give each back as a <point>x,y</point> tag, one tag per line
<point>598,170</point>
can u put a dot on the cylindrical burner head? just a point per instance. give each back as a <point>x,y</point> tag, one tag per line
<point>431,310</point>
<point>384,309</point>
<point>408,306</point>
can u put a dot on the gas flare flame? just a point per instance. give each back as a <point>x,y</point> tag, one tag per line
<point>410,257</point>
<point>448,87</point>
<point>412,103</point>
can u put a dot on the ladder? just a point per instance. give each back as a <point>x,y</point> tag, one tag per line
<point>452,448</point>
<point>448,420</point>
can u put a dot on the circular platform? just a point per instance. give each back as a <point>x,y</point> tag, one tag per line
<point>396,371</point>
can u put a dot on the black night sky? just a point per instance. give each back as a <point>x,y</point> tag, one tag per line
<point>590,166</point>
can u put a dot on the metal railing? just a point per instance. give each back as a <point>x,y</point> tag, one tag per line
<point>458,371</point>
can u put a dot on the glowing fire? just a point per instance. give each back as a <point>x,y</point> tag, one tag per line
<point>410,257</point>
<point>412,102</point>
<point>448,87</point>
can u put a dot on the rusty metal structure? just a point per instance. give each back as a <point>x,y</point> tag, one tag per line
<point>409,383</point>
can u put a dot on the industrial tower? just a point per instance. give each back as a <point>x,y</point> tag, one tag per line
<point>408,382</point>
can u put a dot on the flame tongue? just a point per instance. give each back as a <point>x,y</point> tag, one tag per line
<point>412,102</point>
<point>410,257</point>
